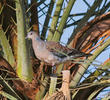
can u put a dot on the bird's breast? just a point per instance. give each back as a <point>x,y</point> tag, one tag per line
<point>41,51</point>
<point>44,54</point>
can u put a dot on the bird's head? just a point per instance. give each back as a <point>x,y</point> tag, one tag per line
<point>31,35</point>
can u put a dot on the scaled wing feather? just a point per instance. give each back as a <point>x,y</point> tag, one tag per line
<point>58,49</point>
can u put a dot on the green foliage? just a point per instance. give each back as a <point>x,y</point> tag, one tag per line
<point>8,55</point>
<point>8,92</point>
<point>62,23</point>
<point>90,86</point>
<point>55,19</point>
<point>24,67</point>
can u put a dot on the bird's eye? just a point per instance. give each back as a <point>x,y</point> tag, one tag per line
<point>30,33</point>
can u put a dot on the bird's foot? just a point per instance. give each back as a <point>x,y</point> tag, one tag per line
<point>53,70</point>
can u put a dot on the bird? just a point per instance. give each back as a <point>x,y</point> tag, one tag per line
<point>53,53</point>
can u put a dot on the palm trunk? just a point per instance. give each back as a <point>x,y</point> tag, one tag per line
<point>24,68</point>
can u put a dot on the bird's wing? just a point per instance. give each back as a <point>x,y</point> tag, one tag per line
<point>58,49</point>
<point>63,51</point>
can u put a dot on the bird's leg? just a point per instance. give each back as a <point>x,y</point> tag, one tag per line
<point>53,69</point>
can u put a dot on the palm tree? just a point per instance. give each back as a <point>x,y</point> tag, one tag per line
<point>25,77</point>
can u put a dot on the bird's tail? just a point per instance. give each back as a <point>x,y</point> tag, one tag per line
<point>72,57</point>
<point>81,55</point>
